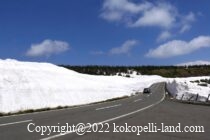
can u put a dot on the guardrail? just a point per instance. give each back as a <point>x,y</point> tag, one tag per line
<point>193,97</point>
<point>190,98</point>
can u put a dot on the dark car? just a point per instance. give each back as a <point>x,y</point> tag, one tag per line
<point>146,91</point>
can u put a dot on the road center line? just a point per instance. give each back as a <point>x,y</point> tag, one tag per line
<point>137,100</point>
<point>109,120</point>
<point>11,123</point>
<point>108,107</point>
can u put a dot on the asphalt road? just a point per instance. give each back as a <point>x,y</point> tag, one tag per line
<point>135,111</point>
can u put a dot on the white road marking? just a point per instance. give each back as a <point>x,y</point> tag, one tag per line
<point>54,110</point>
<point>137,100</point>
<point>108,107</point>
<point>11,123</point>
<point>108,120</point>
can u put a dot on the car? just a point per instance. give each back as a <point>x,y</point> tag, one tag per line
<point>146,91</point>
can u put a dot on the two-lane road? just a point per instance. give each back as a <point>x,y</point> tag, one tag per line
<point>136,110</point>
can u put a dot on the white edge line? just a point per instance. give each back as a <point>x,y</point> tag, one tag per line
<point>108,120</point>
<point>137,100</point>
<point>54,110</point>
<point>5,124</point>
<point>108,107</point>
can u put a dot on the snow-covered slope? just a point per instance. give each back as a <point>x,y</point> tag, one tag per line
<point>30,85</point>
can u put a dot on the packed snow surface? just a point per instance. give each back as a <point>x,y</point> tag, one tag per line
<point>31,85</point>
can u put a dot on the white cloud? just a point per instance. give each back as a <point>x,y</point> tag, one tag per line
<point>47,48</point>
<point>139,14</point>
<point>125,48</point>
<point>158,14</point>
<point>179,47</point>
<point>116,10</point>
<point>190,17</point>
<point>161,15</point>
<point>199,62</point>
<point>184,28</point>
<point>187,21</point>
<point>164,36</point>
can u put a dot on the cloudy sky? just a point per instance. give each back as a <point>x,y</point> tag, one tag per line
<point>105,32</point>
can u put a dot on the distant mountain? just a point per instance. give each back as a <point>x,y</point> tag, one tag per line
<point>199,62</point>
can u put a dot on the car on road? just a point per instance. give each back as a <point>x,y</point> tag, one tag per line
<point>146,91</point>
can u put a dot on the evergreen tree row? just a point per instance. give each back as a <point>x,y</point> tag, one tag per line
<point>165,71</point>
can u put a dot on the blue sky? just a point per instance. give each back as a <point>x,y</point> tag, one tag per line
<point>105,32</point>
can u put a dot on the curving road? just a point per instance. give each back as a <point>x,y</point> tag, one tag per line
<point>138,110</point>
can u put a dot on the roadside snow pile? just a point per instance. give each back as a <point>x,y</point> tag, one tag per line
<point>185,88</point>
<point>30,85</point>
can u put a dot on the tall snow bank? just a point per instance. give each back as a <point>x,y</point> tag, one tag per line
<point>30,85</point>
<point>185,89</point>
